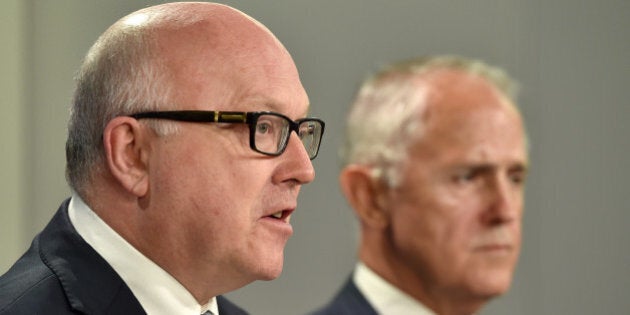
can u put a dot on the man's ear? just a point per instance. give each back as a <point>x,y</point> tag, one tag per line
<point>125,149</point>
<point>364,193</point>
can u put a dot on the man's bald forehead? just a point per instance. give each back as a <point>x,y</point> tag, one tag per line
<point>185,13</point>
<point>183,24</point>
<point>181,15</point>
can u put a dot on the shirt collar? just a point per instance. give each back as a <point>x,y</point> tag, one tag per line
<point>385,297</point>
<point>156,290</point>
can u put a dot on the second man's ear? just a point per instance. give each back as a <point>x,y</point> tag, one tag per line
<point>126,153</point>
<point>365,195</point>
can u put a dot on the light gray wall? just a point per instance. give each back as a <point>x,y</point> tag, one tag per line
<point>571,58</point>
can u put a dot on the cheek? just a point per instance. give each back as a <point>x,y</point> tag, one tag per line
<point>436,224</point>
<point>205,173</point>
<point>211,186</point>
<point>419,228</point>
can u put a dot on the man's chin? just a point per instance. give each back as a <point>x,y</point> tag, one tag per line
<point>270,271</point>
<point>493,287</point>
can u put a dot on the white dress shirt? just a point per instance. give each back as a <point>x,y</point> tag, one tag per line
<point>384,297</point>
<point>156,290</point>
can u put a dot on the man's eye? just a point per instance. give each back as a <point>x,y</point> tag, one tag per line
<point>263,127</point>
<point>307,130</point>
<point>517,178</point>
<point>464,177</point>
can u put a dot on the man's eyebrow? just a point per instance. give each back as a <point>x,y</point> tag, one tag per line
<point>484,167</point>
<point>479,168</point>
<point>274,106</point>
<point>473,165</point>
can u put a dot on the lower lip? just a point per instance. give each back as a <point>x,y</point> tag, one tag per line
<point>494,248</point>
<point>279,225</point>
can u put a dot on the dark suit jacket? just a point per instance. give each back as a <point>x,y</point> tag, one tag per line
<point>62,274</point>
<point>348,301</point>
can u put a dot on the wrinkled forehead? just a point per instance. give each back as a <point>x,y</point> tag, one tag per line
<point>461,107</point>
<point>456,92</point>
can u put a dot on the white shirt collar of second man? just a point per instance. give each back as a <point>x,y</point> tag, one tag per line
<point>384,297</point>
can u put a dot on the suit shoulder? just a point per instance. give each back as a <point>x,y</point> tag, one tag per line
<point>348,301</point>
<point>228,308</point>
<point>28,285</point>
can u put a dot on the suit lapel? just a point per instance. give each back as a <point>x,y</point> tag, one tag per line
<point>90,284</point>
<point>228,308</point>
<point>352,301</point>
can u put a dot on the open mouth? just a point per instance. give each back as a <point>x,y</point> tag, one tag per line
<point>280,215</point>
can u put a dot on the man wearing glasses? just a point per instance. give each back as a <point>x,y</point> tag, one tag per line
<point>187,148</point>
<point>435,162</point>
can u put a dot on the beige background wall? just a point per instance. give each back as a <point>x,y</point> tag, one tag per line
<point>571,57</point>
<point>12,188</point>
<point>12,148</point>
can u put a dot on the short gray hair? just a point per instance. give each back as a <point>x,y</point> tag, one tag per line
<point>385,117</point>
<point>122,73</point>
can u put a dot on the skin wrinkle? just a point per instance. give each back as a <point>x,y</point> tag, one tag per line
<point>435,221</point>
<point>203,215</point>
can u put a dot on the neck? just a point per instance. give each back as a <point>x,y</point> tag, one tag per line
<point>389,265</point>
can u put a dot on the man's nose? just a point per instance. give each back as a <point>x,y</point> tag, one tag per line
<point>298,166</point>
<point>505,201</point>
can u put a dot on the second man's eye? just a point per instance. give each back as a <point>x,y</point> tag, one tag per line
<point>463,177</point>
<point>468,175</point>
<point>517,177</point>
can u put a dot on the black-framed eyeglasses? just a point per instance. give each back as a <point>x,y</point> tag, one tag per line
<point>269,132</point>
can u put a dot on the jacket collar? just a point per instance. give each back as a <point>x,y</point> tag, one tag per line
<point>89,282</point>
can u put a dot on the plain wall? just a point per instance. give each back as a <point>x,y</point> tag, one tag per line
<point>571,58</point>
<point>12,123</point>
